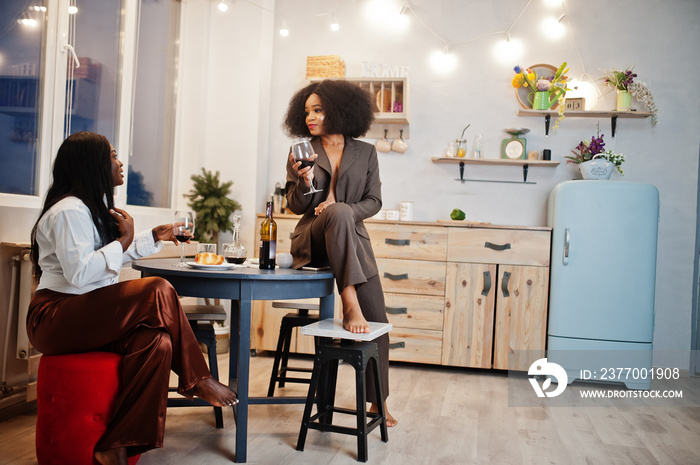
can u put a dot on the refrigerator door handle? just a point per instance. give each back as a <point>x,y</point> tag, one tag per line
<point>567,238</point>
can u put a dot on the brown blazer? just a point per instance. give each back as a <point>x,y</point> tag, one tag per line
<point>358,186</point>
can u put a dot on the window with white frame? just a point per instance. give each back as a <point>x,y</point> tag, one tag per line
<point>69,66</point>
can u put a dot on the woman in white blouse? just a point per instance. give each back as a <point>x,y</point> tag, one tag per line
<point>79,244</point>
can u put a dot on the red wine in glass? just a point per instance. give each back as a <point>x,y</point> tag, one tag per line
<point>183,230</point>
<point>301,152</point>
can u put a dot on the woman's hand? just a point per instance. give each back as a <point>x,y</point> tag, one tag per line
<point>322,206</point>
<point>307,174</point>
<point>126,226</point>
<point>164,232</point>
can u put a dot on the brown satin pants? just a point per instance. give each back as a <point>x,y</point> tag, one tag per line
<point>140,319</point>
<point>334,241</point>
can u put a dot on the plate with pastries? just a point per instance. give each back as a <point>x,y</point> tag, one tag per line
<point>210,261</point>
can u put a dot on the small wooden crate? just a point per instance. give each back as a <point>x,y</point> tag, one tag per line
<point>324,66</point>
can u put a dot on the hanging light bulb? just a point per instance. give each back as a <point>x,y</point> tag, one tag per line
<point>334,25</point>
<point>508,51</point>
<point>223,6</point>
<point>442,61</point>
<point>284,32</point>
<point>72,9</point>
<point>553,28</point>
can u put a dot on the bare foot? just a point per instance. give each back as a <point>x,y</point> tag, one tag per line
<point>354,321</point>
<point>215,393</point>
<point>390,421</point>
<point>116,456</point>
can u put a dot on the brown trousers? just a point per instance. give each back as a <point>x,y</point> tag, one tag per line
<point>141,320</point>
<point>334,241</point>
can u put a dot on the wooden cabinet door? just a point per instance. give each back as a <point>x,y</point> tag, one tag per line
<point>521,316</point>
<point>469,307</point>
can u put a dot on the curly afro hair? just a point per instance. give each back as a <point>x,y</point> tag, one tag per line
<point>347,108</point>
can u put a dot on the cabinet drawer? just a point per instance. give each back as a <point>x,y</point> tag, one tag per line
<point>415,345</point>
<point>414,311</point>
<point>412,277</point>
<point>507,246</point>
<point>414,242</point>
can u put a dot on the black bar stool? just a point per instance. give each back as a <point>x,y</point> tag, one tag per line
<point>201,318</point>
<point>358,354</point>
<point>280,368</point>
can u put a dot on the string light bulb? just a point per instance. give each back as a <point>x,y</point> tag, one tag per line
<point>284,32</point>
<point>223,6</point>
<point>553,28</point>
<point>72,10</point>
<point>334,25</point>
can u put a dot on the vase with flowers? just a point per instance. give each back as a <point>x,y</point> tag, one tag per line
<point>627,87</point>
<point>594,161</point>
<point>545,91</point>
<point>620,81</point>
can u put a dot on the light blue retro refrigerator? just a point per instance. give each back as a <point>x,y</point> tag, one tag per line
<point>603,275</point>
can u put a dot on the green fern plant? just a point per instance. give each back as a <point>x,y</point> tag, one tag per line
<point>209,200</point>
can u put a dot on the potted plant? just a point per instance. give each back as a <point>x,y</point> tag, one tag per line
<point>626,86</point>
<point>594,161</point>
<point>209,200</point>
<point>545,91</point>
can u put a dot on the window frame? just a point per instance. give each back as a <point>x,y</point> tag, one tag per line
<point>53,99</point>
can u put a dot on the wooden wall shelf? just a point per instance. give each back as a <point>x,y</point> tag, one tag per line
<point>495,161</point>
<point>613,115</point>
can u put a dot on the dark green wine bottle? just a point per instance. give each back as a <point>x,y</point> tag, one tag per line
<point>268,240</point>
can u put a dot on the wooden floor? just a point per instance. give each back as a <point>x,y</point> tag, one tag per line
<point>446,416</point>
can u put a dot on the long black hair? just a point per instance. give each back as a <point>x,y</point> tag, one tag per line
<point>347,107</point>
<point>83,169</point>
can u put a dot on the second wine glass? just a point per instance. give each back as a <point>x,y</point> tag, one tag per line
<point>302,152</point>
<point>183,229</point>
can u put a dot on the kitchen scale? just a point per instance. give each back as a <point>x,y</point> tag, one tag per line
<point>515,147</point>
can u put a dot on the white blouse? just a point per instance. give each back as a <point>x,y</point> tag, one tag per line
<point>69,257</point>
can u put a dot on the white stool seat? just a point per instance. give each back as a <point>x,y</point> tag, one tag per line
<point>333,328</point>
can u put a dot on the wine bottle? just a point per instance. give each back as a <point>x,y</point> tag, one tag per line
<point>268,240</point>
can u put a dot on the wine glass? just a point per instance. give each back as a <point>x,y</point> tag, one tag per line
<point>302,151</point>
<point>183,229</point>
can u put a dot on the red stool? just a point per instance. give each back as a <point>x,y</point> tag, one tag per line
<point>75,401</point>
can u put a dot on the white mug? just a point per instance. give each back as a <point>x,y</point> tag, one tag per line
<point>392,215</point>
<point>383,145</point>
<point>406,211</point>
<point>399,145</point>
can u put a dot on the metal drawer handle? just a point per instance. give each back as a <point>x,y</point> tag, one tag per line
<point>487,283</point>
<point>497,246</point>
<point>396,310</point>
<point>397,345</point>
<point>397,241</point>
<point>504,284</point>
<point>396,277</point>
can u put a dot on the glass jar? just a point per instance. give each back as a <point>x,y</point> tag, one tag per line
<point>235,252</point>
<point>461,147</point>
<point>451,150</point>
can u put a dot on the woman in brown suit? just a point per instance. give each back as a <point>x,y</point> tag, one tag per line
<point>331,232</point>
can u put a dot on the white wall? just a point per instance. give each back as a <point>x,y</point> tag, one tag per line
<point>238,75</point>
<point>657,38</point>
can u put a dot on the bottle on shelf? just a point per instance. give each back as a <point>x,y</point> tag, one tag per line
<point>268,240</point>
<point>235,252</point>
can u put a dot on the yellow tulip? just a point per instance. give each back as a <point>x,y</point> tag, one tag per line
<point>518,80</point>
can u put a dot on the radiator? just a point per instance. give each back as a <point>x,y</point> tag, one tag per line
<point>25,295</point>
